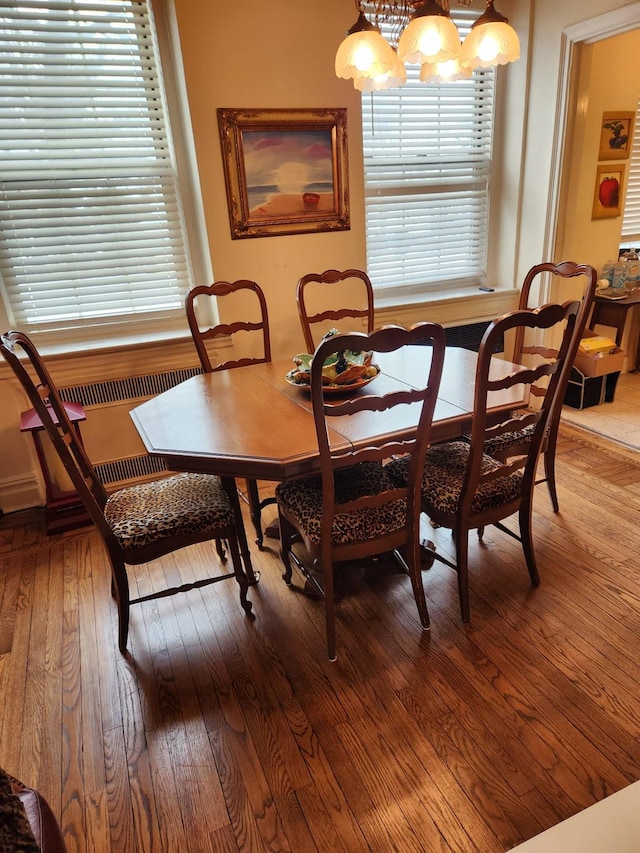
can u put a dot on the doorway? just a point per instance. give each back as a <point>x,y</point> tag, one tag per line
<point>581,101</point>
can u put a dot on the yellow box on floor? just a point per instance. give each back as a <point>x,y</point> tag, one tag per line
<point>598,362</point>
<point>595,344</point>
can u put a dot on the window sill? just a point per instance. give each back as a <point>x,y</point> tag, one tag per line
<point>442,297</point>
<point>449,308</point>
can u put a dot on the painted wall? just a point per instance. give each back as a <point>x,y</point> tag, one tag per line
<point>250,55</point>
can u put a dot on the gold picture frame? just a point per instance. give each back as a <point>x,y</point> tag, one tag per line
<point>607,196</point>
<point>285,170</point>
<point>616,132</point>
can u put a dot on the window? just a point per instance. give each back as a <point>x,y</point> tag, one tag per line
<point>631,217</point>
<point>427,161</point>
<point>91,222</point>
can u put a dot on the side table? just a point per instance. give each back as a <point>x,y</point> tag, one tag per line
<point>64,509</point>
<point>613,313</point>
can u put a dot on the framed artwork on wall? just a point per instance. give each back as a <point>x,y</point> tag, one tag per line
<point>607,196</point>
<point>285,170</point>
<point>616,130</point>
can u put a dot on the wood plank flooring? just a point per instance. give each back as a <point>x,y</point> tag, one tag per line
<point>223,733</point>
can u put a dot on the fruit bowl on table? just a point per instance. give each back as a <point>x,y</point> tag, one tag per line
<point>341,372</point>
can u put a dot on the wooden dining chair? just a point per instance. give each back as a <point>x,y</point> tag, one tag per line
<point>137,523</point>
<point>530,351</point>
<point>352,509</point>
<point>331,295</point>
<point>208,334</point>
<point>463,488</point>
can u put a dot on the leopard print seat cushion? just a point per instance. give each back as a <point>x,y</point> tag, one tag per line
<point>443,475</point>
<point>303,499</point>
<point>183,504</point>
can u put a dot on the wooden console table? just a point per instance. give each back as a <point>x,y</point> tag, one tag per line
<point>613,313</point>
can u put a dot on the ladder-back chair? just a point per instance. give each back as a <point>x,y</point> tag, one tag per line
<point>526,351</point>
<point>330,315</point>
<point>463,488</point>
<point>202,335</point>
<point>137,523</point>
<point>352,509</point>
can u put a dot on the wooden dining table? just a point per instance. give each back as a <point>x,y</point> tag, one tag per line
<point>250,422</point>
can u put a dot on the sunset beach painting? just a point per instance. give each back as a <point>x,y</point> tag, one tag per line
<point>285,170</point>
<point>288,172</point>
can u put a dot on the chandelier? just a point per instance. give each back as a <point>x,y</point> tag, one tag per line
<point>422,33</point>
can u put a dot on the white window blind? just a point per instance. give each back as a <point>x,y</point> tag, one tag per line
<point>631,216</point>
<point>90,213</point>
<point>427,159</point>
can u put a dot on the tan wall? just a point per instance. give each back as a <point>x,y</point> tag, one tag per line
<point>246,55</point>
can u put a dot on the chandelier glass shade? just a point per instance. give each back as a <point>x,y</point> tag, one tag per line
<point>492,41</point>
<point>447,71</point>
<point>389,80</point>
<point>427,37</point>
<point>364,52</point>
<point>430,36</point>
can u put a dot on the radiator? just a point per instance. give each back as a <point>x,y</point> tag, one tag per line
<point>107,406</point>
<point>469,336</point>
<point>133,388</point>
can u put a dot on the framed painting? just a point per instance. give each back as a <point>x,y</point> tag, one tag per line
<point>616,131</point>
<point>607,196</point>
<point>285,170</point>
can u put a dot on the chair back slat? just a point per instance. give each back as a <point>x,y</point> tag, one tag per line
<point>209,295</point>
<point>335,315</point>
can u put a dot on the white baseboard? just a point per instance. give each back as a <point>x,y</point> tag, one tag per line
<point>19,493</point>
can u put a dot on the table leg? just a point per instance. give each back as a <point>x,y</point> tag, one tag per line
<point>231,489</point>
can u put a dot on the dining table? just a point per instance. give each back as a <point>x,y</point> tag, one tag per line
<point>251,422</point>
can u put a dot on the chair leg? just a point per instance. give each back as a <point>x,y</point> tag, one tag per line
<point>462,559</point>
<point>229,485</point>
<point>241,577</point>
<point>525,519</point>
<point>253,498</point>
<point>415,573</point>
<point>220,550</point>
<point>120,591</point>
<point>286,537</point>
<point>550,474</point>
<point>329,607</point>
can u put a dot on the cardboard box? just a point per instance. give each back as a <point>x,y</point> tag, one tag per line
<point>599,364</point>
<point>584,391</point>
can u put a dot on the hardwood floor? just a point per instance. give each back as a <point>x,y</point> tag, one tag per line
<point>223,733</point>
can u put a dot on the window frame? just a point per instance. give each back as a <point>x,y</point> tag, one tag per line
<point>436,285</point>
<point>166,324</point>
